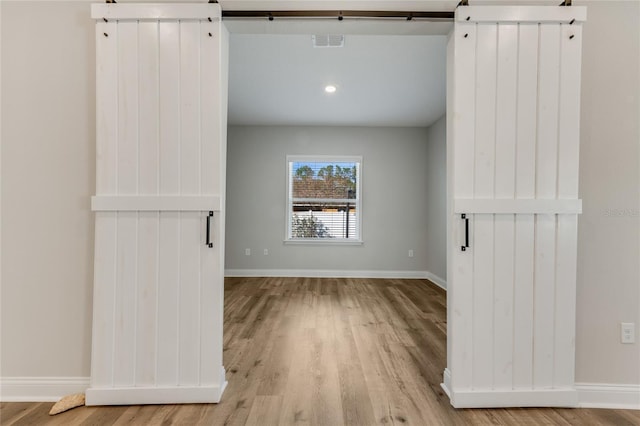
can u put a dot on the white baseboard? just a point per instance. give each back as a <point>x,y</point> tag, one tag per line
<point>40,389</point>
<point>440,282</point>
<point>155,395</point>
<point>514,398</point>
<point>323,273</point>
<point>603,395</point>
<point>586,395</point>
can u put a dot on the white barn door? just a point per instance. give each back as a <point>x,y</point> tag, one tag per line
<point>159,233</point>
<point>513,111</point>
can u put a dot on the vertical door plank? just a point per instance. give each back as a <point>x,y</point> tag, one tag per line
<point>525,189</point>
<point>107,107</point>
<point>190,107</point>
<point>504,264</point>
<point>543,300</point>
<point>149,106</point>
<point>527,112</point>
<point>148,222</point>
<point>568,158</point>
<point>569,111</point>
<point>126,293</point>
<point>523,301</point>
<point>102,350</point>
<point>169,238</point>
<point>128,108</point>
<point>565,301</point>
<point>168,302</point>
<point>485,103</point>
<point>505,223</point>
<point>507,77</point>
<point>189,332</point>
<point>211,160</point>
<point>483,224</point>
<point>546,181</point>
<point>169,64</point>
<point>127,256</point>
<point>483,293</point>
<point>549,85</point>
<point>148,266</point>
<point>460,327</point>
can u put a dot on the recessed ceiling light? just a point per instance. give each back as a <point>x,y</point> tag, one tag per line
<point>330,88</point>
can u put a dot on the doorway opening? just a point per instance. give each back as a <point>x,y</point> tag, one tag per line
<point>387,109</point>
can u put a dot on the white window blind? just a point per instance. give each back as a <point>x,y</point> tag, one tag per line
<point>323,198</point>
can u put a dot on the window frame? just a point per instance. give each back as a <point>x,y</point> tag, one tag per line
<point>290,159</point>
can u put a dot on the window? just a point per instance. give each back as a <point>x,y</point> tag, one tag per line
<point>323,199</point>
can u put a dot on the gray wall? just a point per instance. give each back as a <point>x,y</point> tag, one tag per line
<point>436,192</point>
<point>48,161</point>
<point>609,228</point>
<point>394,201</point>
<point>48,176</point>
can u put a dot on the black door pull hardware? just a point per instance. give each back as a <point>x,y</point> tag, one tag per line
<point>209,243</point>
<point>466,232</point>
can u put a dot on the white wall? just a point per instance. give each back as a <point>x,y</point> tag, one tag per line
<point>48,167</point>
<point>436,192</point>
<point>394,201</point>
<point>609,229</point>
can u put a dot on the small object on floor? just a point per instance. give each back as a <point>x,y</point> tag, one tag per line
<point>67,403</point>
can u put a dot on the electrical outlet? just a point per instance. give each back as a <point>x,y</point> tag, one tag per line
<point>247,252</point>
<point>266,252</point>
<point>627,332</point>
<point>410,253</point>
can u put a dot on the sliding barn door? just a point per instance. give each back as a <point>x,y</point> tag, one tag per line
<point>159,233</point>
<point>513,118</point>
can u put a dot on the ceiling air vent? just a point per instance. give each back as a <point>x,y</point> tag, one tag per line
<point>328,40</point>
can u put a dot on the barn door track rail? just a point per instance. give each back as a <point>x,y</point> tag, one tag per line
<point>342,14</point>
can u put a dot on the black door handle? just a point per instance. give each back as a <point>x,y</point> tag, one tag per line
<point>209,243</point>
<point>466,232</point>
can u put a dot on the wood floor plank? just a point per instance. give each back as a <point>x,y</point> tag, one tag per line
<point>33,416</point>
<point>265,411</point>
<point>326,352</point>
<point>15,410</point>
<point>278,361</point>
<point>11,413</point>
<point>356,403</point>
<point>136,414</point>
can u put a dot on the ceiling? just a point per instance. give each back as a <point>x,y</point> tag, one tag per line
<point>381,80</point>
<point>389,72</point>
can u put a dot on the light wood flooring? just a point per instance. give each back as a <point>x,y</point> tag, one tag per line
<point>326,352</point>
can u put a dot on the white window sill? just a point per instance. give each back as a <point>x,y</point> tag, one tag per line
<point>324,242</point>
